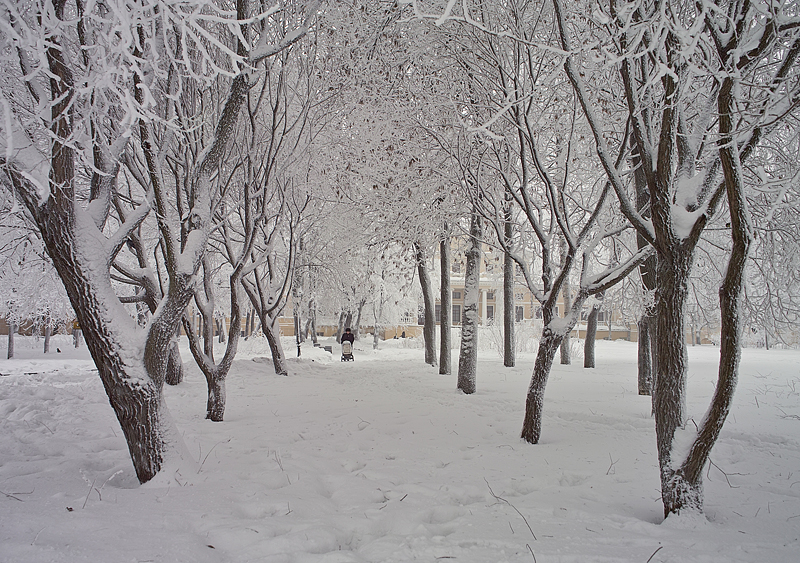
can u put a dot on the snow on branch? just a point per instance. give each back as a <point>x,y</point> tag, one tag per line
<point>614,275</point>
<point>464,17</point>
<point>264,50</point>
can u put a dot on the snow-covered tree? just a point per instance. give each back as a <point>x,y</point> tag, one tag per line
<point>705,84</point>
<point>524,143</point>
<point>82,84</point>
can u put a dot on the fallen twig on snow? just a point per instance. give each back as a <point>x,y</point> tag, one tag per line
<point>514,507</point>
<point>654,554</point>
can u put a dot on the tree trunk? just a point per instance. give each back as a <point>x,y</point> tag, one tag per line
<point>509,343</point>
<point>355,329</point>
<point>273,339</point>
<point>340,330</point>
<point>134,390</point>
<point>682,486</point>
<point>429,328</point>
<point>591,336</point>
<point>468,355</point>
<point>446,308</point>
<point>646,349</point>
<point>215,406</point>
<point>312,316</point>
<point>48,331</point>
<point>174,365</point>
<point>670,381</point>
<point>648,271</point>
<point>297,338</point>
<point>12,330</point>
<point>534,403</point>
<point>566,342</point>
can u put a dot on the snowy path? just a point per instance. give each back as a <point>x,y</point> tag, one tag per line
<point>382,461</point>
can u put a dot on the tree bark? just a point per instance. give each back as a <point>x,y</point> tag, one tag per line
<point>273,339</point>
<point>509,312</point>
<point>221,328</point>
<point>355,329</point>
<point>429,328</point>
<point>534,402</point>
<point>468,355</point>
<point>646,349</point>
<point>12,330</point>
<point>47,332</point>
<point>312,317</point>
<point>446,309</point>
<point>566,342</point>
<point>670,381</point>
<point>174,365</point>
<point>591,337</point>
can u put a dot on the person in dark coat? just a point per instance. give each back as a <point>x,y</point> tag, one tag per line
<point>348,336</point>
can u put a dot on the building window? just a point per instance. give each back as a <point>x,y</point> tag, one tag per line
<point>518,296</point>
<point>490,296</point>
<point>490,312</point>
<point>438,313</point>
<point>520,311</point>
<point>456,314</point>
<point>538,312</point>
<point>456,295</point>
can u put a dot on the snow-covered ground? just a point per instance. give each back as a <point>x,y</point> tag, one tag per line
<point>382,460</point>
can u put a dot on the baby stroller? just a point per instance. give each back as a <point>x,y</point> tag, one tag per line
<point>347,351</point>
